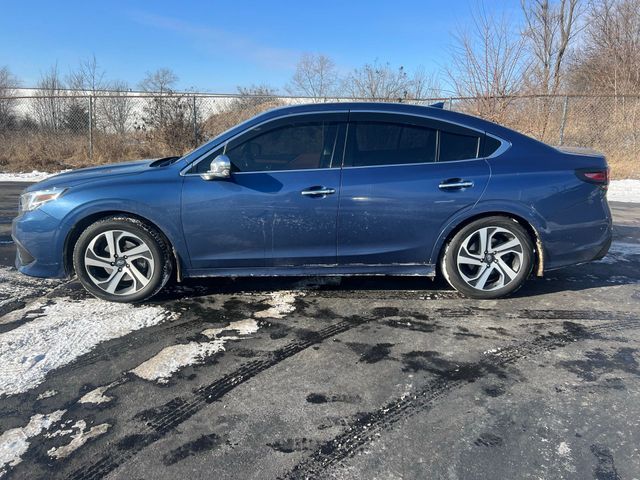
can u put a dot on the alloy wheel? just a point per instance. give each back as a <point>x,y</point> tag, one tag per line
<point>490,258</point>
<point>119,262</point>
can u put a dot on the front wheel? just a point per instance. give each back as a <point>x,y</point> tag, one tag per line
<point>489,258</point>
<point>121,259</point>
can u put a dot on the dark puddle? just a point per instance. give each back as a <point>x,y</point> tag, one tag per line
<point>371,353</point>
<point>203,443</point>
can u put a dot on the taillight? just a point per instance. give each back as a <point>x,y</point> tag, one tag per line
<point>596,176</point>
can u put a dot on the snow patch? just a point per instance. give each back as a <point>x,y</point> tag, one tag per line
<point>563,449</point>
<point>280,303</point>
<point>624,191</point>
<point>15,442</point>
<point>33,176</point>
<point>242,327</point>
<point>78,439</point>
<point>66,330</point>
<point>97,395</point>
<point>47,394</point>
<point>16,287</point>
<point>171,359</point>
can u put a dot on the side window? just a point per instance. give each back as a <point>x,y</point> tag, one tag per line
<point>382,143</point>
<point>286,147</point>
<point>456,146</point>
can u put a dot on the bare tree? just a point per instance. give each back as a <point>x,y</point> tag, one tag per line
<point>423,84</point>
<point>117,109</point>
<point>162,81</point>
<point>488,63</point>
<point>8,85</point>
<point>49,106</point>
<point>88,77</point>
<point>609,60</point>
<point>550,29</point>
<point>378,81</point>
<point>315,76</point>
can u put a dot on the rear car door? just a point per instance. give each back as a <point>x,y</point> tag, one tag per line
<point>280,206</point>
<point>403,178</point>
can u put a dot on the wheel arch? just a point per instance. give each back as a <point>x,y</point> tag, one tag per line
<point>455,226</point>
<point>78,227</point>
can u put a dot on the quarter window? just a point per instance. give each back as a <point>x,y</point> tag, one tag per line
<point>380,143</point>
<point>288,147</point>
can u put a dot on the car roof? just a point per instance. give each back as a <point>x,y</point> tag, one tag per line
<point>434,112</point>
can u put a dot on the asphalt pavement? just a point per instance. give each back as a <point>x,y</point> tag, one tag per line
<point>352,378</point>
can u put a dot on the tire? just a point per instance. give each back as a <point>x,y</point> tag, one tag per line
<point>490,258</point>
<point>122,259</point>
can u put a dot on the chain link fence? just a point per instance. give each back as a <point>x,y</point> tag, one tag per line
<point>68,130</point>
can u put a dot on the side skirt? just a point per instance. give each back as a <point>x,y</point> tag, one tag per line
<point>417,270</point>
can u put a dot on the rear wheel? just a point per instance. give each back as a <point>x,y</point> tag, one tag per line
<point>489,258</point>
<point>121,259</point>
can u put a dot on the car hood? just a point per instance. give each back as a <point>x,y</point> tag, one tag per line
<point>82,175</point>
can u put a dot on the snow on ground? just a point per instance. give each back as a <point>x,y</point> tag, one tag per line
<point>15,442</point>
<point>624,191</point>
<point>78,439</point>
<point>171,359</point>
<point>34,176</point>
<point>280,303</point>
<point>16,287</point>
<point>65,330</point>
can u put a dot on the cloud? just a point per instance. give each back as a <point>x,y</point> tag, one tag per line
<point>215,40</point>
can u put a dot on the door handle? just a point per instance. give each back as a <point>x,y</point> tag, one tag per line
<point>318,191</point>
<point>455,184</point>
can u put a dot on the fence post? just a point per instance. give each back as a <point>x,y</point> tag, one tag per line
<point>195,124</point>
<point>91,127</point>
<point>565,105</point>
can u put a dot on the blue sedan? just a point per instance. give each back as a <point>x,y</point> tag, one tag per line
<point>325,189</point>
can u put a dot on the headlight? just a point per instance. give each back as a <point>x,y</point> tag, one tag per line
<point>32,200</point>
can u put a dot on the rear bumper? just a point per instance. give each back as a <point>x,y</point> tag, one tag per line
<point>39,246</point>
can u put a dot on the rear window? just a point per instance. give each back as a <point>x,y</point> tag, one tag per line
<point>455,146</point>
<point>381,143</point>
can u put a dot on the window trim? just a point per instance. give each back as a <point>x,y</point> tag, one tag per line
<point>185,171</point>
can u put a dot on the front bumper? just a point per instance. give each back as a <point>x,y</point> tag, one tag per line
<point>40,244</point>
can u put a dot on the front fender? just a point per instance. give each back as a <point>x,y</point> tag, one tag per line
<point>167,221</point>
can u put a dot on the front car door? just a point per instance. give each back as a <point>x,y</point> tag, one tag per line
<point>280,206</point>
<point>403,177</point>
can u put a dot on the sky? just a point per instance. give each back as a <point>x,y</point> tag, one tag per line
<point>215,46</point>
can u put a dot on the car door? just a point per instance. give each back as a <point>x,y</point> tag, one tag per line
<point>279,208</point>
<point>403,178</point>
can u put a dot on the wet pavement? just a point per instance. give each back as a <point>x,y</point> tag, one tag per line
<point>324,378</point>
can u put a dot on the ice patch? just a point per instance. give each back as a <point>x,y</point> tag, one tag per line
<point>280,303</point>
<point>242,327</point>
<point>171,359</point>
<point>624,191</point>
<point>15,442</point>
<point>620,251</point>
<point>78,439</point>
<point>66,330</point>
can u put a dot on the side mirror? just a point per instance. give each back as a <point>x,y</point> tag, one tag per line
<point>219,169</point>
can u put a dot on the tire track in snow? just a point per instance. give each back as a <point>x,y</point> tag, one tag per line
<point>369,426</point>
<point>162,420</point>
